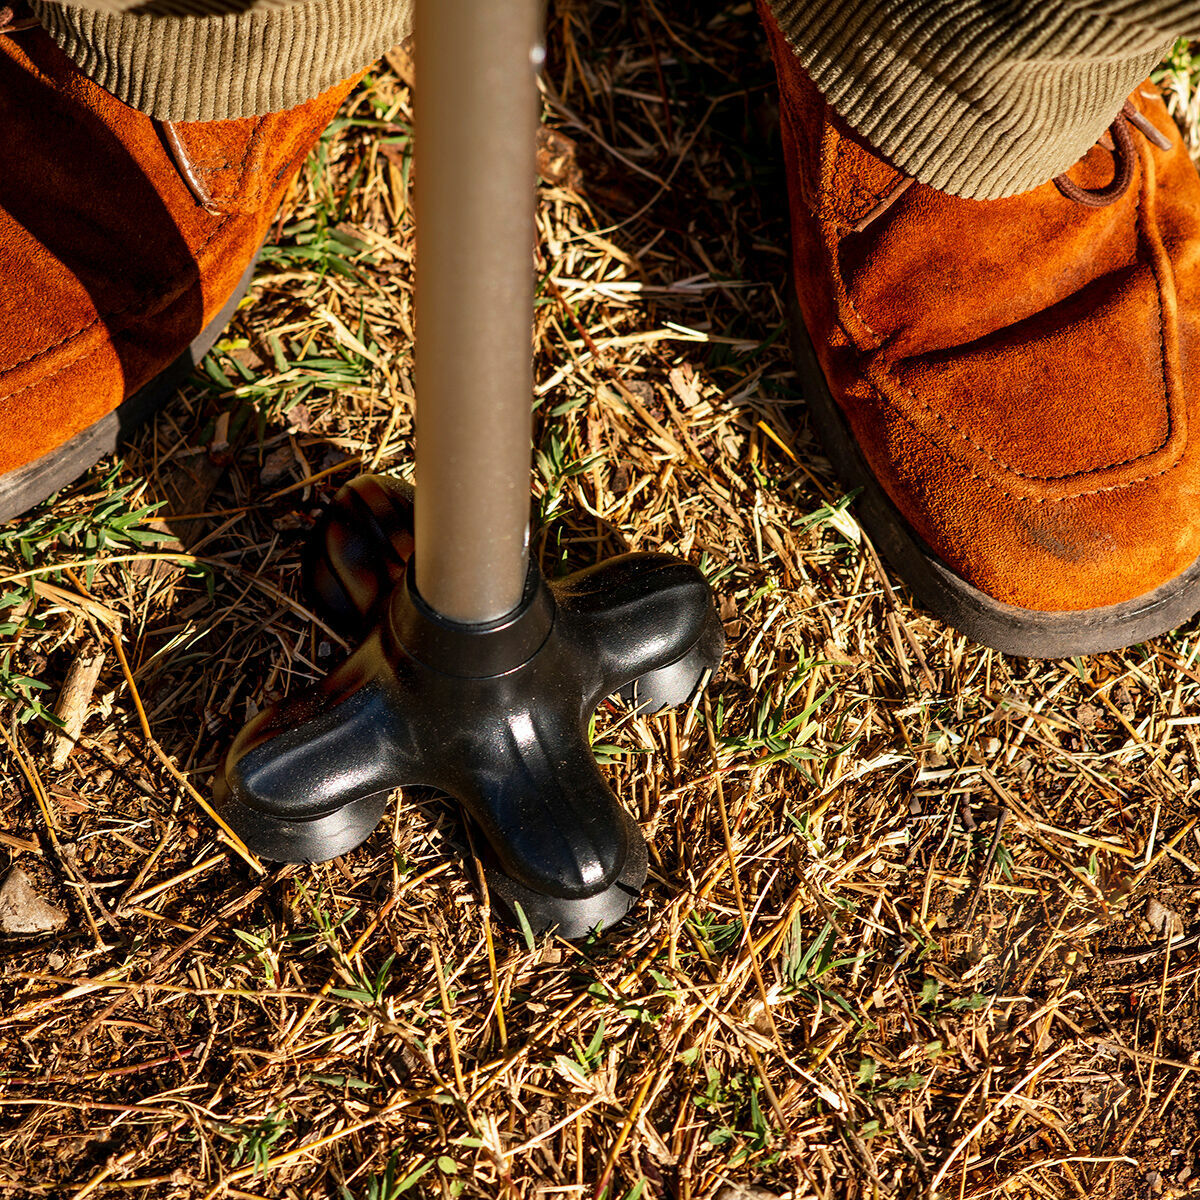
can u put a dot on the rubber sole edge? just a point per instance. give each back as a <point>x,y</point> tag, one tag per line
<point>1026,632</point>
<point>22,488</point>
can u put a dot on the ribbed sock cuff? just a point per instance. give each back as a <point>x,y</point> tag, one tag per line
<point>218,67</point>
<point>978,99</point>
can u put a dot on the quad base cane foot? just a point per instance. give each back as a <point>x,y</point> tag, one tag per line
<point>494,715</point>
<point>359,552</point>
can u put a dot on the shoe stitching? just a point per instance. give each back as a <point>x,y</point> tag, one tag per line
<point>100,319</point>
<point>973,473</point>
<point>925,406</point>
<point>991,483</point>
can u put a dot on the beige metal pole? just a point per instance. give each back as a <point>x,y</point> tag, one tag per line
<point>476,104</point>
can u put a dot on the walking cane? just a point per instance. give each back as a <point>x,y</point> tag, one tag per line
<point>478,677</point>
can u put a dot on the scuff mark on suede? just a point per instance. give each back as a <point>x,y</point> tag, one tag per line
<point>251,147</point>
<point>1058,542</point>
<point>862,199</point>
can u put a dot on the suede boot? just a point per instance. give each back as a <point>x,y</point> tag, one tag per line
<point>125,246</point>
<point>1010,382</point>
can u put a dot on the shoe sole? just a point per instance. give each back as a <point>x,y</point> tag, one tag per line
<point>1008,628</point>
<point>22,488</point>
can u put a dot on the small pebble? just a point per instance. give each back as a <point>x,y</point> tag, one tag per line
<point>1163,920</point>
<point>23,913</point>
<point>278,466</point>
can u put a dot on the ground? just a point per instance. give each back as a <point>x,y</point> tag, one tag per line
<point>904,931</point>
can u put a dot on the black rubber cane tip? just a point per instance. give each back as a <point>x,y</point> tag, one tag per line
<point>312,841</point>
<point>574,918</point>
<point>493,715</point>
<point>675,684</point>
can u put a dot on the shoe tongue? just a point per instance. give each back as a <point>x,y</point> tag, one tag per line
<point>841,178</point>
<point>224,161</point>
<point>240,163</point>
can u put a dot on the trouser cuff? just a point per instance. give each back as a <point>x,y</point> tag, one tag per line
<point>211,68</point>
<point>981,100</point>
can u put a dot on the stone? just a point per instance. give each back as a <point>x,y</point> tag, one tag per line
<point>23,913</point>
<point>1162,920</point>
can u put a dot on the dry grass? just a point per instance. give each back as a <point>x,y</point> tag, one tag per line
<point>945,855</point>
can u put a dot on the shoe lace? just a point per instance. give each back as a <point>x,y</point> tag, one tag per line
<point>11,23</point>
<point>1128,119</point>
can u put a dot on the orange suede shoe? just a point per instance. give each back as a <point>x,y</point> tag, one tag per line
<point>1009,382</point>
<point>125,246</point>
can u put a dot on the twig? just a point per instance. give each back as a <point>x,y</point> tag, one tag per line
<point>227,835</point>
<point>72,706</point>
<point>1145,952</point>
<point>986,869</point>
